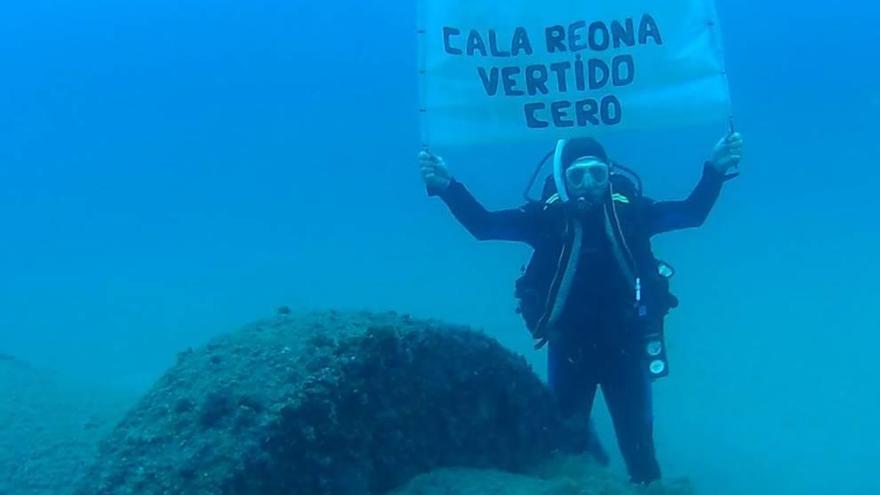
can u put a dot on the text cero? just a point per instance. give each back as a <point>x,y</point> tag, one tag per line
<point>605,111</point>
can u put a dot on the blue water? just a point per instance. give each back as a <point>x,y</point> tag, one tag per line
<point>171,170</point>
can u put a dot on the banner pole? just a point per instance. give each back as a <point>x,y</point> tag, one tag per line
<point>713,22</point>
<point>422,33</point>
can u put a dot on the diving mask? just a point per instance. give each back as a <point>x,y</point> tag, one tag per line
<point>587,176</point>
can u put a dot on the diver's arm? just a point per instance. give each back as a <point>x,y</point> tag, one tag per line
<point>502,225</point>
<point>664,216</point>
<point>505,225</point>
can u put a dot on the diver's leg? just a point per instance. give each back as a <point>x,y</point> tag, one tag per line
<point>574,387</point>
<point>627,390</point>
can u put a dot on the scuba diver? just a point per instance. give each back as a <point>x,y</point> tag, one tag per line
<point>593,289</point>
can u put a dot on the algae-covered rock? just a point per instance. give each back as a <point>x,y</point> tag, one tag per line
<point>328,403</point>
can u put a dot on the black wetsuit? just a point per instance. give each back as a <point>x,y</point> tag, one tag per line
<point>598,343</point>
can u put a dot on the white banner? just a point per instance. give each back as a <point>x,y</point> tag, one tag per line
<point>517,70</point>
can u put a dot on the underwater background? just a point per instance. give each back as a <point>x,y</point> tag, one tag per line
<point>171,170</point>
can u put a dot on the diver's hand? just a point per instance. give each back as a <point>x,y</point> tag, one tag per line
<point>727,153</point>
<point>434,171</point>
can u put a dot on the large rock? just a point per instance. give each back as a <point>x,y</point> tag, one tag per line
<point>328,403</point>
